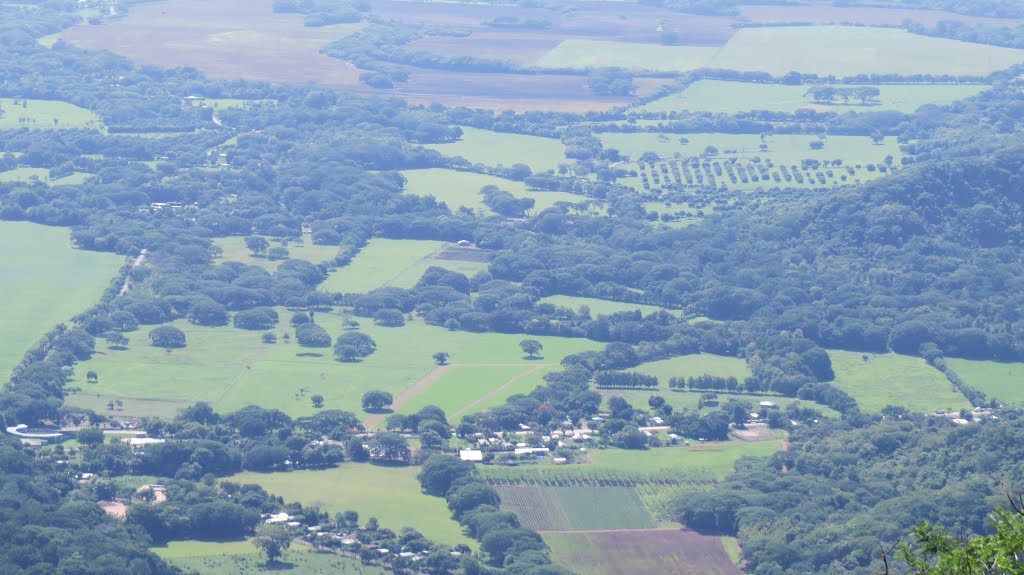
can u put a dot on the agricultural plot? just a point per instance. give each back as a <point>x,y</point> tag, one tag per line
<point>521,384</point>
<point>391,494</point>
<point>231,368</point>
<point>36,292</point>
<point>44,115</point>
<point>461,389</point>
<point>709,460</point>
<point>401,263</point>
<point>242,558</point>
<point>691,400</point>
<point>233,250</point>
<point>725,97</point>
<point>503,149</point>
<point>645,552</point>
<point>1004,381</point>
<point>824,50</point>
<point>600,306</point>
<point>694,365</point>
<point>462,189</point>
<point>576,508</point>
<point>876,381</point>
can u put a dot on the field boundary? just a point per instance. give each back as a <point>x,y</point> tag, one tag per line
<point>515,379</point>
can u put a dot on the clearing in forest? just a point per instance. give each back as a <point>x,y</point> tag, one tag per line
<point>505,149</point>
<point>233,250</point>
<point>601,306</point>
<point>641,552</point>
<point>391,494</point>
<point>44,115</point>
<point>1003,381</point>
<point>46,282</point>
<point>878,380</point>
<point>400,263</point>
<point>462,189</point>
<point>693,366</point>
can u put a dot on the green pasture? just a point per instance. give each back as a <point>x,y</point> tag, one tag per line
<point>576,508</point>
<point>242,558</point>
<point>1004,381</point>
<point>462,189</point>
<point>46,281</point>
<point>680,400</point>
<point>714,459</point>
<point>391,494</point>
<point>877,380</point>
<point>600,306</point>
<point>498,148</point>
<point>824,50</point>
<point>233,250</point>
<point>44,115</point>
<point>231,368</point>
<point>25,174</point>
<point>523,383</point>
<point>694,365</point>
<point>460,387</point>
<point>726,97</point>
<point>398,263</point>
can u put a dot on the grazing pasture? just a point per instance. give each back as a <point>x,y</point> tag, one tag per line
<point>46,282</point>
<point>231,368</point>
<point>398,263</point>
<point>694,365</point>
<point>878,380</point>
<point>1003,381</point>
<point>233,250</point>
<point>725,97</point>
<point>44,115</point>
<point>497,148</point>
<point>391,494</point>
<point>576,508</point>
<point>824,50</point>
<point>462,189</point>
<point>243,558</point>
<point>642,552</point>
<point>711,460</point>
<point>461,388</point>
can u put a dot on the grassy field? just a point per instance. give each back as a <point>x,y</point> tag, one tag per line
<point>234,250</point>
<point>599,306</point>
<point>713,459</point>
<point>44,115</point>
<point>462,189</point>
<point>1004,381</point>
<point>37,265</point>
<point>391,494</point>
<point>398,263</point>
<point>42,175</point>
<point>231,368</point>
<point>641,553</point>
<point>689,400</point>
<point>837,50</point>
<point>495,148</point>
<point>876,381</point>
<point>459,390</point>
<point>576,508</point>
<point>242,558</point>
<point>733,97</point>
<point>694,365</point>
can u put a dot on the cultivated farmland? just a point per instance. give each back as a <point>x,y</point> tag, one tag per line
<point>876,381</point>
<point>1003,381</point>
<point>401,263</point>
<point>734,97</point>
<point>576,508</point>
<point>36,293</point>
<point>391,494</point>
<point>462,388</point>
<point>650,552</point>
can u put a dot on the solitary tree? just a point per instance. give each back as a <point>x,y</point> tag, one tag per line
<point>376,400</point>
<point>273,541</point>
<point>92,377</point>
<point>387,445</point>
<point>167,336</point>
<point>257,244</point>
<point>531,347</point>
<point>353,346</point>
<point>117,340</point>
<point>318,400</point>
<point>441,357</point>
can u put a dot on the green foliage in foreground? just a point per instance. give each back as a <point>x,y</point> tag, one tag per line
<point>936,552</point>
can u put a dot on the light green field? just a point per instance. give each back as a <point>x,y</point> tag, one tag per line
<point>891,379</point>
<point>714,459</point>
<point>680,400</point>
<point>724,97</point>
<point>824,50</point>
<point>231,368</point>
<point>462,189</point>
<point>242,558</point>
<point>40,115</point>
<point>522,385</point>
<point>234,250</point>
<point>472,388</point>
<point>36,265</point>
<point>496,148</point>
<point>42,175</point>
<point>391,494</point>
<point>694,365</point>
<point>782,148</point>
<point>600,306</point>
<point>398,263</point>
<point>1004,381</point>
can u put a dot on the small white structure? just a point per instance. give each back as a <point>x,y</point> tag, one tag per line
<point>767,404</point>
<point>471,455</point>
<point>531,450</point>
<point>139,442</point>
<point>278,518</point>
